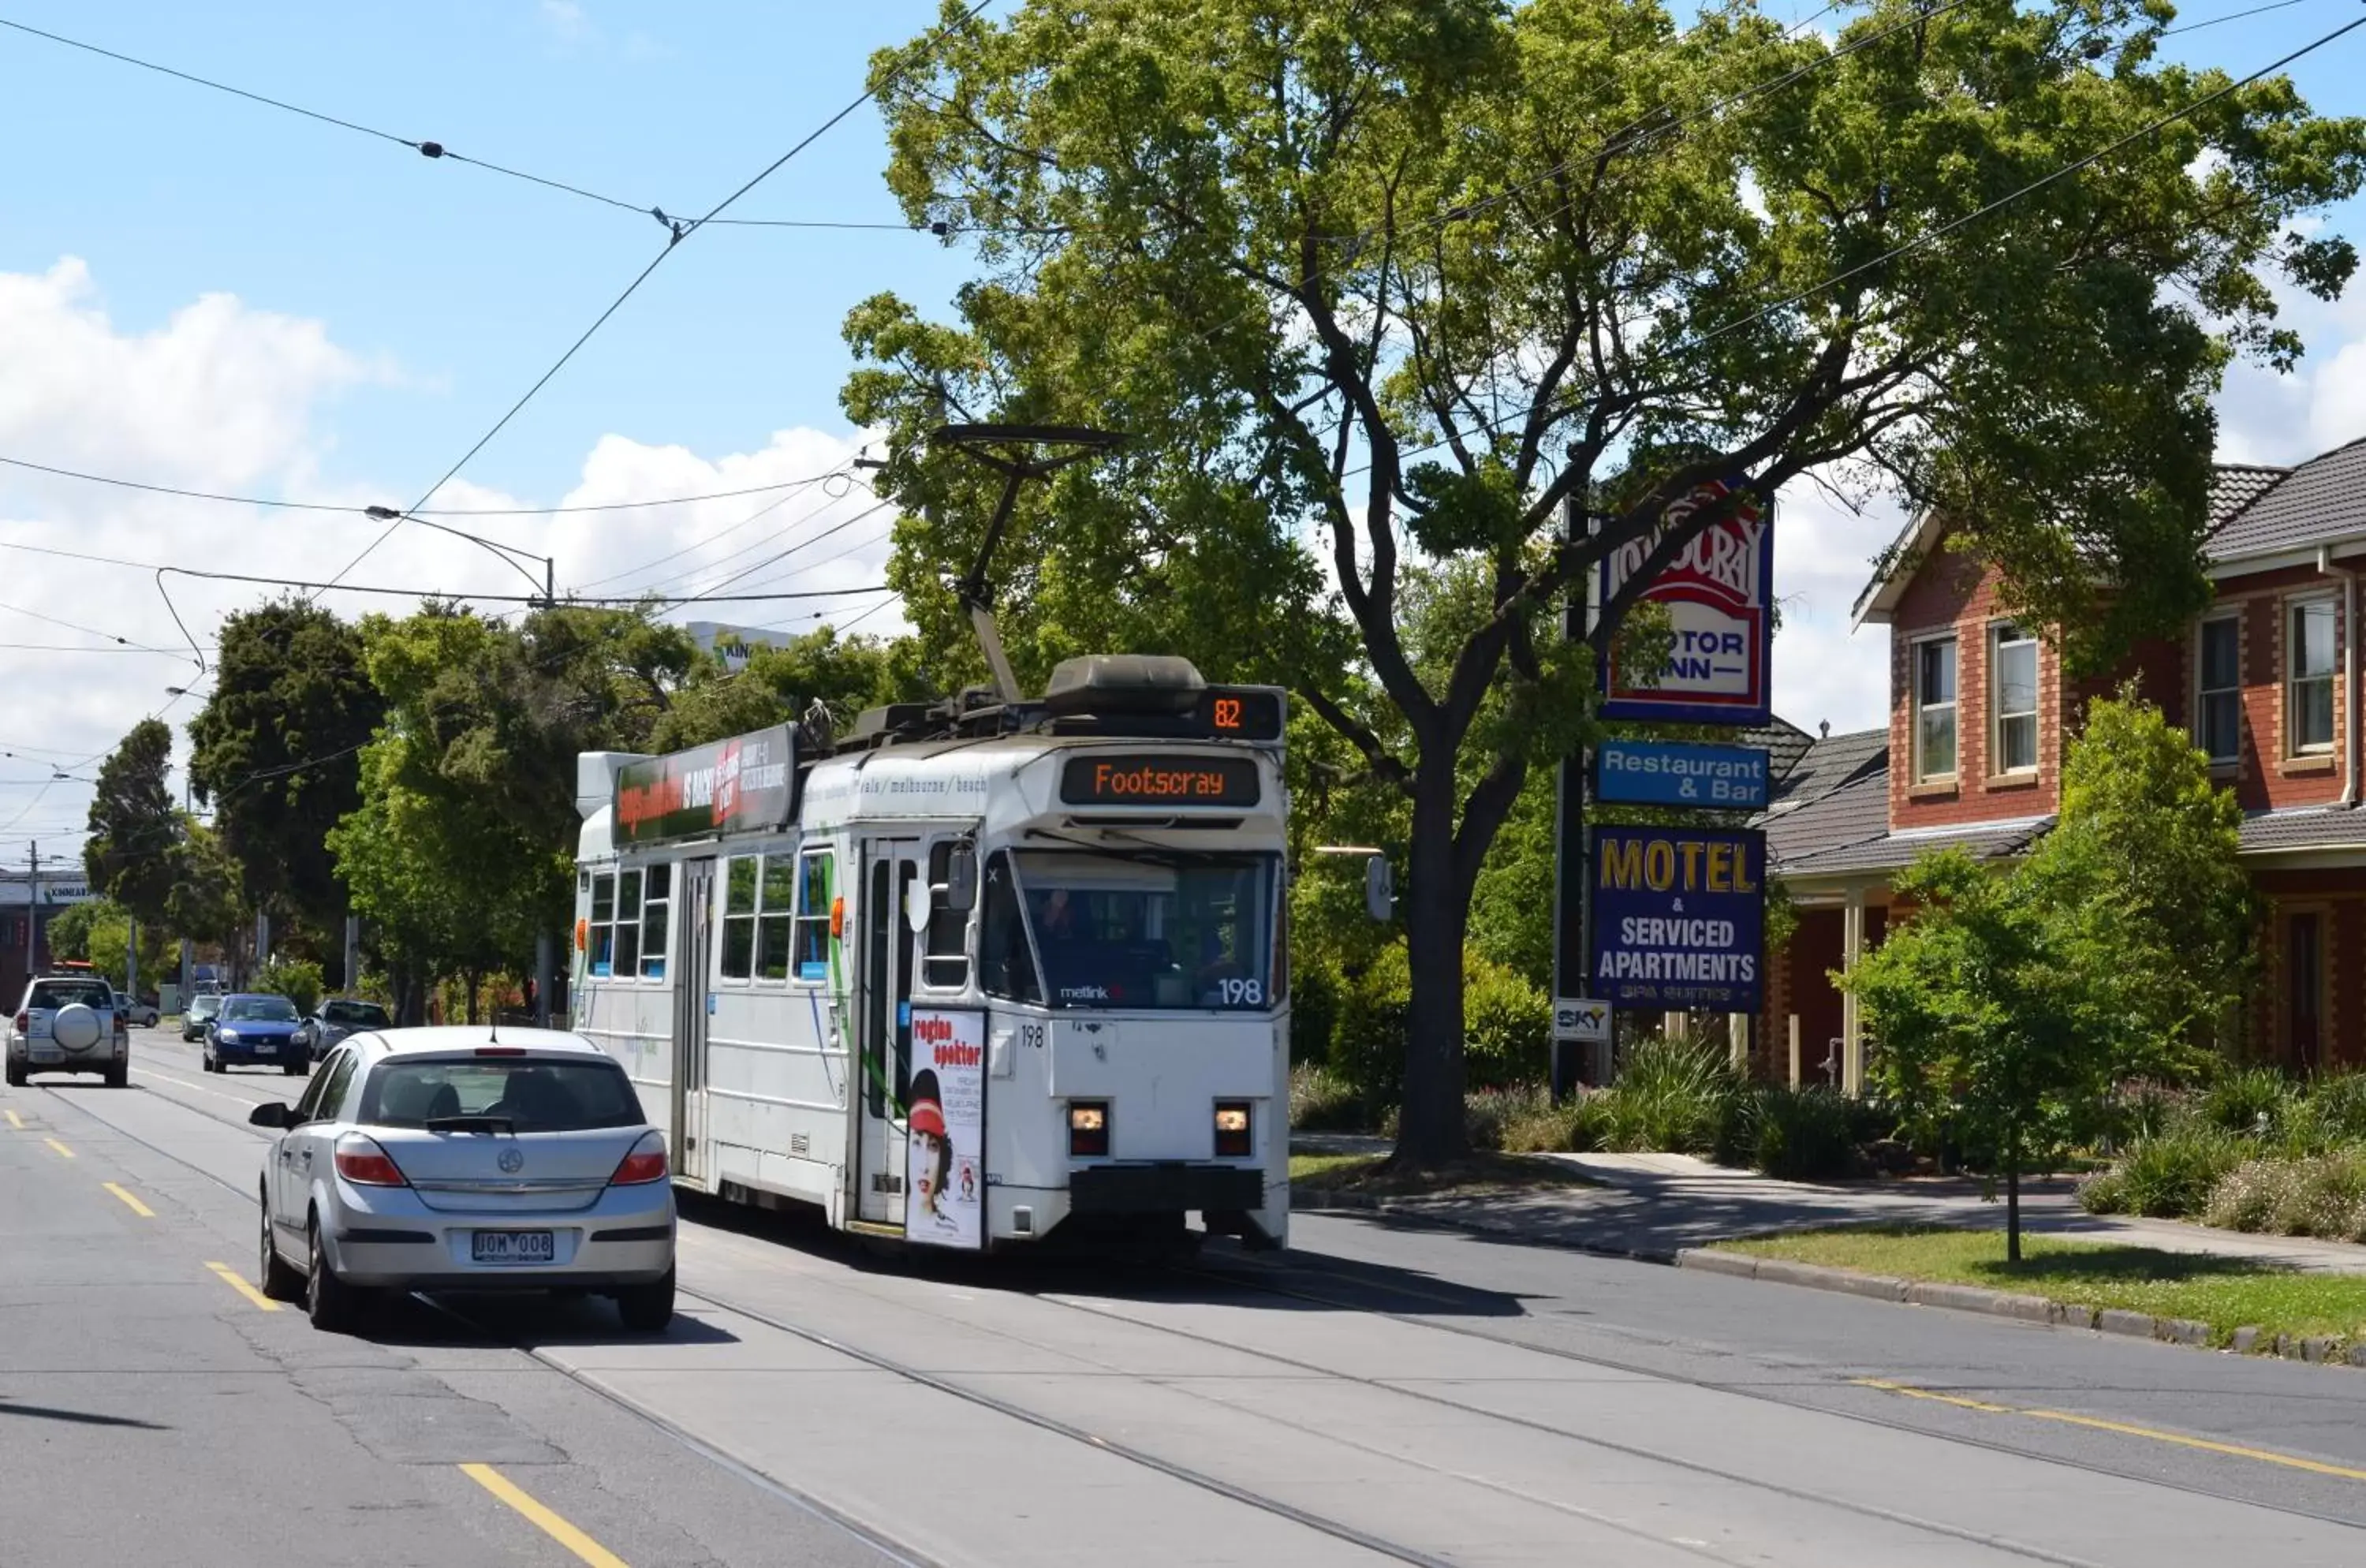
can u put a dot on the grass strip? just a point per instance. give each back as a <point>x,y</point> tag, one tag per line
<point>1475,1176</point>
<point>2225,1292</point>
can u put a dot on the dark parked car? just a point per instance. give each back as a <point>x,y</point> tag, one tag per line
<point>336,1018</point>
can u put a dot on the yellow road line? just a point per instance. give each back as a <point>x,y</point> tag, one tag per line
<point>60,1147</point>
<point>575,1540</point>
<point>136,1206</point>
<point>2126,1429</point>
<point>15,1120</point>
<point>236,1281</point>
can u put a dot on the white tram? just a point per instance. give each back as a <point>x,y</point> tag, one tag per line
<point>981,974</point>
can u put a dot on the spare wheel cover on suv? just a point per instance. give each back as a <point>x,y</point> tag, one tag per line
<point>76,1027</point>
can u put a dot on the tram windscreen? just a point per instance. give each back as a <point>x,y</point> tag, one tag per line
<point>1148,931</point>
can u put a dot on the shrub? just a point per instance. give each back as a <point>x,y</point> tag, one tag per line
<point>1506,1025</point>
<point>1368,1046</point>
<point>1523,1119</point>
<point>1320,1101</point>
<point>1315,996</point>
<point>2322,1196</point>
<point>2170,1177</point>
<point>2325,1116</point>
<point>1671,1095</point>
<point>2245,1100</point>
<point>1804,1134</point>
<point>294,978</point>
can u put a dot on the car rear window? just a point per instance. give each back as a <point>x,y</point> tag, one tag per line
<point>360,1015</point>
<point>536,1094</point>
<point>65,993</point>
<point>259,1010</point>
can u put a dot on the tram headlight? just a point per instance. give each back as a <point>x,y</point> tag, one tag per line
<point>1233,1133</point>
<point>1088,1129</point>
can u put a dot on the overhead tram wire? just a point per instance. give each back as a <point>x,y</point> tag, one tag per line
<point>714,594</point>
<point>679,232</point>
<point>659,587</point>
<point>1921,240</point>
<point>711,538</point>
<point>364,511</point>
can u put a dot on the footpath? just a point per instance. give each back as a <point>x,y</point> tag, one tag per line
<point>1675,1209</point>
<point>1655,1206</point>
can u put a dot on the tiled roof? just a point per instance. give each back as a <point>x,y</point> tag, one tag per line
<point>2323,499</point>
<point>1893,852</point>
<point>1784,744</point>
<point>2233,486</point>
<point>1827,764</point>
<point>2323,827</point>
<point>1855,814</point>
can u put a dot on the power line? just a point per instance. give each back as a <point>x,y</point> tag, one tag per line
<point>382,512</point>
<point>679,233</point>
<point>701,544</point>
<point>665,585</point>
<point>711,595</point>
<point>441,152</point>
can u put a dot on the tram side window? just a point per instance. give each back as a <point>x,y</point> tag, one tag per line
<point>773,917</point>
<point>1007,965</point>
<point>945,966</point>
<point>602,935</point>
<point>739,918</point>
<point>657,903</point>
<point>628,924</point>
<point>814,880</point>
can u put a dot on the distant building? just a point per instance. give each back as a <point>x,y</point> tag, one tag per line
<point>56,894</point>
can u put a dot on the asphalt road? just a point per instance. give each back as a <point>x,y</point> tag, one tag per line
<point>1375,1396</point>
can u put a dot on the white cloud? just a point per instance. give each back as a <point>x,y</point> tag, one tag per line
<point>1823,556</point>
<point>227,398</point>
<point>564,17</point>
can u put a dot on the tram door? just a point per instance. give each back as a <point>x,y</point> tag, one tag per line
<point>695,899</point>
<point>889,951</point>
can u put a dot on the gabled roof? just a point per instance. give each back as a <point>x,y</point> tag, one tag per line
<point>2255,510</point>
<point>1837,794</point>
<point>1784,742</point>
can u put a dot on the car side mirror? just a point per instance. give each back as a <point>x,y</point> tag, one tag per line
<point>273,1113</point>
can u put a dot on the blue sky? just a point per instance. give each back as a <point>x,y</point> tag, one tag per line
<point>203,291</point>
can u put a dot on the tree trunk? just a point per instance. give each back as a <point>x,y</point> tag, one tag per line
<point>2012,1192</point>
<point>1430,1130</point>
<point>469,979</point>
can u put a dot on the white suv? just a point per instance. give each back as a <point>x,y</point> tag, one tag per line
<point>67,1024</point>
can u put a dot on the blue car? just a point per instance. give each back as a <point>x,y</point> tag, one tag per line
<point>258,1031</point>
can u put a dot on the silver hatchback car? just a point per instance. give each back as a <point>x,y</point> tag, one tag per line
<point>448,1159</point>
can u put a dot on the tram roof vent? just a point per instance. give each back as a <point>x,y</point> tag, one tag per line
<point>876,725</point>
<point>1123,682</point>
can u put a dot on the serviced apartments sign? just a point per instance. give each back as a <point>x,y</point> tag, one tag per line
<point>1718,594</point>
<point>1679,917</point>
<point>746,783</point>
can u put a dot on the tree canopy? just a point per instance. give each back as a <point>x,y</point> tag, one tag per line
<point>134,825</point>
<point>1378,291</point>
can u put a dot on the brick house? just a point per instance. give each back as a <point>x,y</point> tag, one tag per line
<point>2266,680</point>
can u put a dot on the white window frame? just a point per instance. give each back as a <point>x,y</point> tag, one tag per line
<point>2232,620</point>
<point>803,918</point>
<point>724,916</point>
<point>1954,704</point>
<point>662,908</point>
<point>1998,642</point>
<point>2294,609</point>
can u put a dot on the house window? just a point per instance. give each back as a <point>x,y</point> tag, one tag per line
<point>814,882</point>
<point>2012,689</point>
<point>2218,689</point>
<point>657,903</point>
<point>2308,698</point>
<point>739,916</point>
<point>1934,708</point>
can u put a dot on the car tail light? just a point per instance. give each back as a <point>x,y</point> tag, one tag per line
<point>647,1162</point>
<point>1089,1132</point>
<point>363,1163</point>
<point>1235,1129</point>
<point>25,1021</point>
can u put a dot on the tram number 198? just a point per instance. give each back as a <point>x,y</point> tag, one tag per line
<point>1242,993</point>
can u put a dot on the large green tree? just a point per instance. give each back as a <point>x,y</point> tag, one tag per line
<point>276,751</point>
<point>762,686</point>
<point>135,826</point>
<point>1394,282</point>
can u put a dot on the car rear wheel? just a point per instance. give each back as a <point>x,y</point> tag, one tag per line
<point>119,1076</point>
<point>329,1301</point>
<point>279,1282</point>
<point>646,1309</point>
<point>298,1069</point>
<point>16,1075</point>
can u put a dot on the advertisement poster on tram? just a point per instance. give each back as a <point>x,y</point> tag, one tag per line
<point>944,1189</point>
